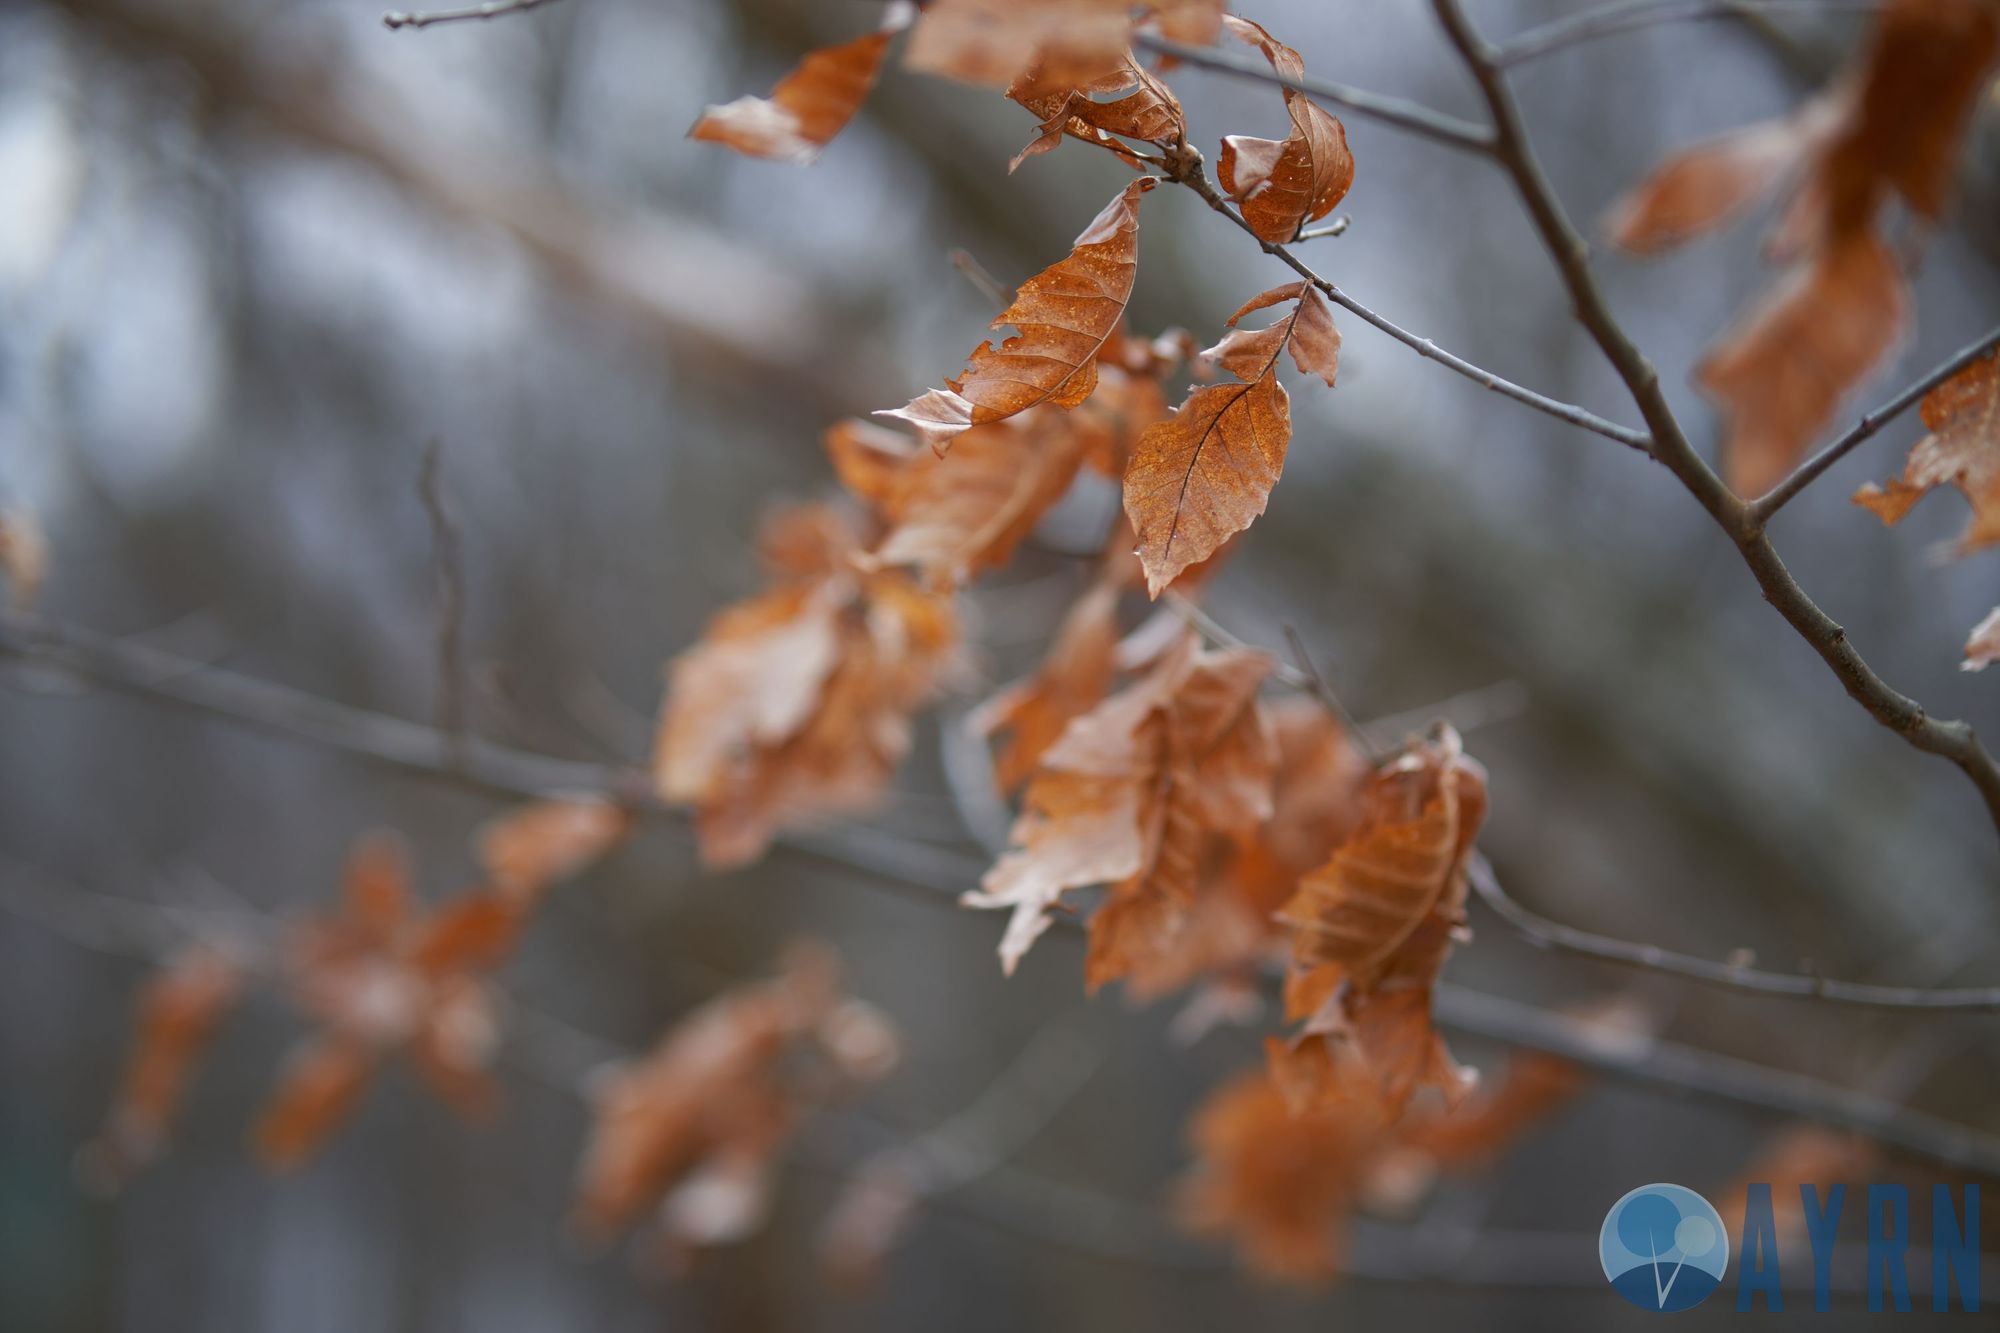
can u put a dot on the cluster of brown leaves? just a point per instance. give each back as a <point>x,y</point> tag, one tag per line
<point>1282,184</point>
<point>692,1130</point>
<point>377,976</point>
<point>1283,1180</point>
<point>1889,129</point>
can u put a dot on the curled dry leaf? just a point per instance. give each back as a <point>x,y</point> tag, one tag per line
<point>997,42</point>
<point>1280,185</point>
<point>1031,715</point>
<point>24,557</point>
<point>1283,1182</point>
<point>178,1014</point>
<point>1962,450</point>
<point>379,978</point>
<point>1135,105</point>
<point>1891,129</point>
<point>1065,314</point>
<point>1982,649</point>
<point>806,110</point>
<point>1781,375</point>
<point>1127,798</point>
<point>1206,473</point>
<point>696,1125</point>
<point>526,850</point>
<point>797,703</point>
<point>950,516</point>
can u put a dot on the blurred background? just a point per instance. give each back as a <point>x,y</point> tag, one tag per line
<point>257,257</point>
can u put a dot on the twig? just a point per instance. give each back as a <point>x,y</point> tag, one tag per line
<point>493,9</point>
<point>1544,933</point>
<point>447,552</point>
<point>1189,172</point>
<point>1399,112</point>
<point>982,280</point>
<point>1609,20</point>
<point>1809,471</point>
<point>1320,689</point>
<point>1903,715</point>
<point>1466,711</point>
<point>1337,227</point>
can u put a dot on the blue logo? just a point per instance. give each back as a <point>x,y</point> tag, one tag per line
<point>1663,1248</point>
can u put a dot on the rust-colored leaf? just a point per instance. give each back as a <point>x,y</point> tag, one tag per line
<point>1703,187</point>
<point>1205,474</point>
<point>1782,375</point>
<point>1064,315</point>
<point>997,42</point>
<point>1801,1154</point>
<point>953,515</point>
<point>528,849</point>
<point>806,110</point>
<point>1280,185</point>
<point>1128,103</point>
<point>697,1121</point>
<point>1076,674</point>
<point>1962,450</point>
<point>178,1013</point>
<point>320,1086</point>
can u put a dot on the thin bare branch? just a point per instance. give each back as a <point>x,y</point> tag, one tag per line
<point>1337,227</point>
<point>448,554</point>
<point>493,9</point>
<point>1544,933</point>
<point>1903,715</point>
<point>1809,471</point>
<point>1321,689</point>
<point>1402,113</point>
<point>1612,19</point>
<point>1188,171</point>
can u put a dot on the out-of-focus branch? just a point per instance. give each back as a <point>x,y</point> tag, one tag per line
<point>1612,19</point>
<point>709,299</point>
<point>492,10</point>
<point>1952,740</point>
<point>448,553</point>
<point>1809,471</point>
<point>921,873</point>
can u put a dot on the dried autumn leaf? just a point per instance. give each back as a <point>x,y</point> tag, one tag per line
<point>527,850</point>
<point>1076,674</point>
<point>1283,1183</point>
<point>1282,185</point>
<point>178,1013</point>
<point>1421,812</point>
<point>997,42</point>
<point>1962,450</point>
<point>1982,649</point>
<point>24,557</point>
<point>1782,374</point>
<point>1065,314</point>
<point>1801,1154</point>
<point>1142,108</point>
<point>380,978</point>
<point>796,704</point>
<point>1205,474</point>
<point>698,1121</point>
<point>950,516</point>
<point>1703,187</point>
<point>806,110</point>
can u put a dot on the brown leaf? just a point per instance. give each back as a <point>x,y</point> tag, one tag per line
<point>320,1086</point>
<point>1420,814</point>
<point>24,557</point>
<point>1962,450</point>
<point>715,1101</point>
<point>1205,474</point>
<point>178,1013</point>
<point>1283,1182</point>
<point>996,42</point>
<point>1801,1154</point>
<point>1982,649</point>
<point>1076,674</point>
<point>1282,185</point>
<point>950,516</point>
<point>1782,374</point>
<point>528,849</point>
<point>1065,314</point>
<point>1144,108</point>
<point>806,110</point>
<point>1705,186</point>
